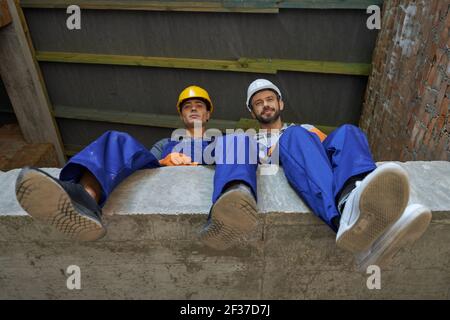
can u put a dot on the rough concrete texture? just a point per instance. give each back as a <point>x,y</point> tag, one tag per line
<point>406,113</point>
<point>151,250</point>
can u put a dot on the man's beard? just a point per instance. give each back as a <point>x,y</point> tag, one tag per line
<point>269,120</point>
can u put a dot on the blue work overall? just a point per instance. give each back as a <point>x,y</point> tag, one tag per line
<point>316,171</point>
<point>116,155</point>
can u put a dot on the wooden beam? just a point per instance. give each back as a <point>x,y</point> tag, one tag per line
<point>149,120</point>
<point>146,119</point>
<point>252,6</point>
<point>269,66</point>
<point>5,17</point>
<point>153,120</point>
<point>133,118</point>
<point>21,76</point>
<point>328,67</point>
<point>161,62</point>
<point>328,4</point>
<point>191,6</point>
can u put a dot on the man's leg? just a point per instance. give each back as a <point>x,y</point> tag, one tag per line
<point>318,175</point>
<point>233,213</point>
<point>370,199</point>
<point>309,171</point>
<point>91,185</point>
<point>350,157</point>
<point>71,202</point>
<point>111,158</point>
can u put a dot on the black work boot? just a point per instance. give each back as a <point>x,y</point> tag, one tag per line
<point>65,205</point>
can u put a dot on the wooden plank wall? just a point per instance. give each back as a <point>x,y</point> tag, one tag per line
<point>243,64</point>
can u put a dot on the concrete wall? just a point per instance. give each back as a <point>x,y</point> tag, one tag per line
<point>407,106</point>
<point>152,251</point>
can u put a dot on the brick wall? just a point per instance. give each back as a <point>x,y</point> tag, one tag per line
<point>406,111</point>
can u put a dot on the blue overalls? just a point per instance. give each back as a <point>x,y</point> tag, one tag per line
<point>114,156</point>
<point>316,171</point>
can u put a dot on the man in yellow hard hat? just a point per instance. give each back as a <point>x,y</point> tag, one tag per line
<point>72,203</point>
<point>195,107</point>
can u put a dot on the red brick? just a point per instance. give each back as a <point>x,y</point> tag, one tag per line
<point>408,112</point>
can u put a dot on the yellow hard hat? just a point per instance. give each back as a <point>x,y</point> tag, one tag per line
<point>193,92</point>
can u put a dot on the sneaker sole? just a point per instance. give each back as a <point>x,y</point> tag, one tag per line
<point>46,201</point>
<point>233,216</point>
<point>384,251</point>
<point>384,197</point>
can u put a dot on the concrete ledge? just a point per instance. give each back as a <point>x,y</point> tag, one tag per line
<point>151,250</point>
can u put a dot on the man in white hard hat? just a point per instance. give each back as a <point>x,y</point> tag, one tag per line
<point>335,176</point>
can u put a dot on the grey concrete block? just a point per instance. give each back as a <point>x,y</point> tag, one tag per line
<point>152,250</point>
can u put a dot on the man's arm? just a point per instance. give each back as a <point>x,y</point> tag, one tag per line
<point>172,159</point>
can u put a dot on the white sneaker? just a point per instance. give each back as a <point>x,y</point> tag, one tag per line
<point>374,205</point>
<point>232,217</point>
<point>409,228</point>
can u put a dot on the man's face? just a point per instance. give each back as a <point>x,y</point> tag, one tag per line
<point>194,110</point>
<point>266,107</point>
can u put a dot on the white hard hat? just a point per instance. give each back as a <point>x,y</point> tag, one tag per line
<point>258,85</point>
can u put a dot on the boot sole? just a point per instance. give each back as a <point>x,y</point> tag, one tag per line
<point>384,197</point>
<point>233,216</point>
<point>45,200</point>
<point>410,230</point>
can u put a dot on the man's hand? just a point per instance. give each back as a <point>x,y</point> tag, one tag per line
<point>177,159</point>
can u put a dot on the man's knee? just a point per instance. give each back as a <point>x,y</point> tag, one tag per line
<point>349,128</point>
<point>296,133</point>
<point>116,135</point>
